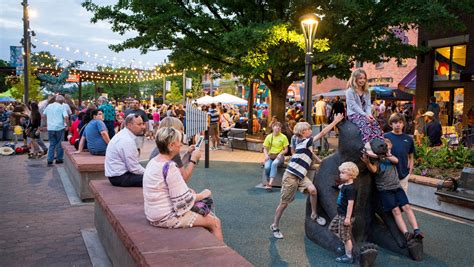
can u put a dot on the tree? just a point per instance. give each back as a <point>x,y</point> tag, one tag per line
<point>262,39</point>
<point>3,86</point>
<point>175,96</point>
<point>44,59</point>
<point>34,92</point>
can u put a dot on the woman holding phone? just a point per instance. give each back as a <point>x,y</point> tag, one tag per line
<point>192,156</point>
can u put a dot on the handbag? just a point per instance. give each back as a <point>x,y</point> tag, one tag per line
<point>203,207</point>
<point>272,156</point>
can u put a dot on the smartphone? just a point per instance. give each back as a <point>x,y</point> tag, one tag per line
<point>199,142</point>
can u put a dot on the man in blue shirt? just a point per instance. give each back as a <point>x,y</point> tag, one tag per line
<point>433,129</point>
<point>403,148</point>
<point>95,134</point>
<point>57,121</point>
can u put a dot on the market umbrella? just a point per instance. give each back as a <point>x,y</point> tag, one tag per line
<point>331,94</point>
<point>205,100</point>
<point>229,99</point>
<point>7,99</point>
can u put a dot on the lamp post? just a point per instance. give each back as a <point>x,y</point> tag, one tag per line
<point>26,49</point>
<point>309,23</point>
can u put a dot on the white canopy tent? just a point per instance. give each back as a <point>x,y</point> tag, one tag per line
<point>205,100</point>
<point>229,99</point>
<point>341,93</point>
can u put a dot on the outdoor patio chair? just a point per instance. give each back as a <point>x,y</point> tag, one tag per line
<point>237,135</point>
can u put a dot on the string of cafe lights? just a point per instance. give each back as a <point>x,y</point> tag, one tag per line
<point>102,60</point>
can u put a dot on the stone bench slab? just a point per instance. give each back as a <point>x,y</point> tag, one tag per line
<point>131,241</point>
<point>81,169</point>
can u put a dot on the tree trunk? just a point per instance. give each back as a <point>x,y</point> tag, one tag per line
<point>279,91</point>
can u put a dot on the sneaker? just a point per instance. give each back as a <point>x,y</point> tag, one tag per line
<point>418,234</point>
<point>318,219</point>
<point>276,232</point>
<point>345,259</point>
<point>50,163</point>
<point>59,161</point>
<point>340,250</point>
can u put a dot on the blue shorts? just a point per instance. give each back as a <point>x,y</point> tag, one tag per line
<point>393,198</point>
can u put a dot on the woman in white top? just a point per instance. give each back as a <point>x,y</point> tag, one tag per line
<point>168,200</point>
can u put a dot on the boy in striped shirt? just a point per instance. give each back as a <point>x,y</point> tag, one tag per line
<point>295,178</point>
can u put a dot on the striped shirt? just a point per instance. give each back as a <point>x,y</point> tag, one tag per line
<point>214,116</point>
<point>301,161</point>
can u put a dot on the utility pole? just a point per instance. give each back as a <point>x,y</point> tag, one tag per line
<point>184,87</point>
<point>26,48</point>
<point>164,89</point>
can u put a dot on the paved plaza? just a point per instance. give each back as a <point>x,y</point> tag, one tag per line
<point>39,227</point>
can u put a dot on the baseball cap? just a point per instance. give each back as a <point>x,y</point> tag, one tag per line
<point>429,114</point>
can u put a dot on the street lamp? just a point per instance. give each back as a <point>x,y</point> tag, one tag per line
<point>309,23</point>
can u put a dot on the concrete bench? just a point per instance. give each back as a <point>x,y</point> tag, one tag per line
<point>423,192</point>
<point>82,168</point>
<point>461,191</point>
<point>254,144</point>
<point>130,240</point>
<point>281,170</point>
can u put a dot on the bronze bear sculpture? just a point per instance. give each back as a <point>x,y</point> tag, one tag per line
<point>372,225</point>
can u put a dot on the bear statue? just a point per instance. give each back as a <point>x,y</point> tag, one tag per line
<point>372,225</point>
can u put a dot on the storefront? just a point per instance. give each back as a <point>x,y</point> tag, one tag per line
<point>439,74</point>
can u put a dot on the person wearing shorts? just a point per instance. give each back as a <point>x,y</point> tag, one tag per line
<point>341,224</point>
<point>295,178</point>
<point>393,197</point>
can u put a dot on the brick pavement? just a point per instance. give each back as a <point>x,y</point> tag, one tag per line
<point>38,226</point>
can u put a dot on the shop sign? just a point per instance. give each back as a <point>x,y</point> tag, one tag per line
<point>73,78</point>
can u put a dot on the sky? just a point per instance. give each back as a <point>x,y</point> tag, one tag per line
<point>64,29</point>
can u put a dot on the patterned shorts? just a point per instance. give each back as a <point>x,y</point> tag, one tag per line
<point>339,229</point>
<point>185,221</point>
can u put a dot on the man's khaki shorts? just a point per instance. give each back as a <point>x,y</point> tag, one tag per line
<point>214,130</point>
<point>290,183</point>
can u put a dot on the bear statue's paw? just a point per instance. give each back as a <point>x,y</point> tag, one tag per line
<point>368,254</point>
<point>415,247</point>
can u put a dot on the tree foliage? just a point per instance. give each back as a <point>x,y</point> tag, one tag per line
<point>262,39</point>
<point>34,91</point>
<point>3,86</point>
<point>44,59</point>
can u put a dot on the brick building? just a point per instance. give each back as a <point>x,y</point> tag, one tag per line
<point>388,74</point>
<point>439,71</point>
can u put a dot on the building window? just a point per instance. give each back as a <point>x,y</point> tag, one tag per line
<point>449,62</point>
<point>359,64</point>
<point>379,65</point>
<point>402,62</point>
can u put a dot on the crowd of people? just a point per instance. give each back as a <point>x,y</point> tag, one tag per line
<point>118,131</point>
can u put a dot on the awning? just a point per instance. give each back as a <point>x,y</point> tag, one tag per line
<point>409,82</point>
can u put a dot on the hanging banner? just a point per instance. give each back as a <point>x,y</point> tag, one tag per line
<point>16,58</point>
<point>189,83</point>
<point>168,85</point>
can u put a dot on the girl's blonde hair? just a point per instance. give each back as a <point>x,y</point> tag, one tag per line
<point>165,136</point>
<point>353,80</point>
<point>172,122</point>
<point>349,167</point>
<point>300,127</point>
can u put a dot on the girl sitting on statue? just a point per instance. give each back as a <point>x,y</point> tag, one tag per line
<point>359,109</point>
